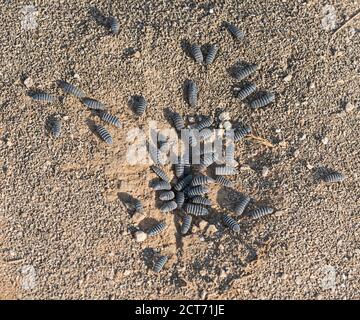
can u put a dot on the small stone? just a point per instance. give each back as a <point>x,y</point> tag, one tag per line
<point>227,125</point>
<point>224,116</point>
<point>140,236</point>
<point>296,153</point>
<point>245,167</point>
<point>127,273</point>
<point>137,55</point>
<point>325,140</point>
<point>28,82</point>
<point>203,294</point>
<point>278,130</point>
<point>137,217</point>
<point>303,137</point>
<point>211,230</point>
<point>77,76</point>
<point>349,107</point>
<point>265,171</point>
<point>288,78</point>
<point>283,144</point>
<point>211,10</point>
<point>222,274</point>
<point>65,118</point>
<point>203,224</point>
<point>221,247</point>
<point>191,119</point>
<point>312,85</point>
<point>309,166</point>
<point>203,273</point>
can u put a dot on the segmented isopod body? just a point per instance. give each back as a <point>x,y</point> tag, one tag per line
<point>263,101</point>
<point>139,104</point>
<point>261,212</point>
<point>178,121</point>
<point>166,195</point>
<point>211,54</point>
<point>156,229</point>
<point>180,199</point>
<point>183,183</point>
<point>196,53</point>
<point>245,71</point>
<point>334,177</point>
<point>201,180</point>
<point>246,91</point>
<point>192,92</point>
<point>224,181</point>
<point>230,154</point>
<point>235,32</point>
<point>104,134</point>
<point>225,171</point>
<point>56,127</point>
<point>160,263</point>
<point>201,200</point>
<point>198,191</point>
<point>186,225</point>
<point>113,24</point>
<point>42,96</point>
<point>71,89</point>
<point>195,209</point>
<point>138,206</point>
<point>93,104</point>
<point>206,123</point>
<point>241,205</point>
<point>241,133</point>
<point>161,173</point>
<point>179,169</point>
<point>206,160</point>
<point>109,118</point>
<point>205,134</point>
<point>168,206</point>
<point>161,185</point>
<point>231,223</point>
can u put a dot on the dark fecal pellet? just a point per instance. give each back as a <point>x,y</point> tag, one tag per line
<point>192,93</point>
<point>42,96</point>
<point>183,183</point>
<point>225,171</point>
<point>113,25</point>
<point>104,134</point>
<point>196,53</point>
<point>56,128</point>
<point>234,31</point>
<point>186,224</point>
<point>168,206</point>
<point>179,169</point>
<point>197,191</point>
<point>138,206</point>
<point>160,263</point>
<point>180,199</point>
<point>71,89</point>
<point>93,104</point>
<point>263,101</point>
<point>166,195</point>
<point>201,180</point>
<point>246,91</point>
<point>109,118</point>
<point>211,54</point>
<point>241,205</point>
<point>245,71</point>
<point>241,133</point>
<point>206,123</point>
<point>156,229</point>
<point>201,200</point>
<point>224,181</point>
<point>161,185</point>
<point>161,173</point>
<point>231,223</point>
<point>334,177</point>
<point>139,105</point>
<point>177,121</point>
<point>260,212</point>
<point>195,209</point>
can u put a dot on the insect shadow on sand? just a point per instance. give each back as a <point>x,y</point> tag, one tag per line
<point>49,123</point>
<point>99,17</point>
<point>148,256</point>
<point>186,47</point>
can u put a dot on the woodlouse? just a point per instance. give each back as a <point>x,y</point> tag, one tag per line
<point>71,89</point>
<point>192,93</point>
<point>201,180</point>
<point>211,54</point>
<point>186,225</point>
<point>206,123</point>
<point>334,177</point>
<point>225,171</point>
<point>160,263</point>
<point>245,71</point>
<point>177,121</point>
<point>195,209</point>
<point>181,184</point>
<point>113,24</point>
<point>139,105</point>
<point>93,104</point>
<point>197,191</point>
<point>156,229</point>
<point>263,101</point>
<point>180,199</point>
<point>241,133</point>
<point>160,172</point>
<point>159,185</point>
<point>246,91</point>
<point>231,223</point>
<point>196,53</point>
<point>201,200</point>
<point>234,31</point>
<point>241,205</point>
<point>224,181</point>
<point>42,96</point>
<point>166,195</point>
<point>260,212</point>
<point>109,118</point>
<point>104,134</point>
<point>179,169</point>
<point>138,206</point>
<point>168,206</point>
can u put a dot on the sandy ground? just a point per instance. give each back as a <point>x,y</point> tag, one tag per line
<point>64,231</point>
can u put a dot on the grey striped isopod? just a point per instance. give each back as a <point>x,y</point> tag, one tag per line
<point>241,205</point>
<point>205,161</point>
<point>168,206</point>
<point>241,133</point>
<point>113,24</point>
<point>42,96</point>
<point>211,54</point>
<point>224,181</point>
<point>56,127</point>
<point>192,93</point>
<point>263,101</point>
<point>71,89</point>
<point>201,180</point>
<point>260,212</point>
<point>166,195</point>
<point>205,134</point>
<point>179,169</point>
<point>180,199</point>
<point>160,173</point>
<point>93,104</point>
<point>104,134</point>
<point>245,71</point>
<point>197,191</point>
<point>138,206</point>
<point>156,229</point>
<point>231,223</point>
<point>195,209</point>
<point>183,183</point>
<point>196,53</point>
<point>246,91</point>
<point>235,32</point>
<point>206,123</point>
<point>159,185</point>
<point>186,225</point>
<point>334,177</point>
<point>177,121</point>
<point>225,171</point>
<point>160,263</point>
<point>109,118</point>
<point>201,200</point>
<point>230,154</point>
<point>139,105</point>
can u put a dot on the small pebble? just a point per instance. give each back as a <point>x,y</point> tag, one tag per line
<point>296,153</point>
<point>265,171</point>
<point>211,230</point>
<point>349,107</point>
<point>224,116</point>
<point>140,236</point>
<point>227,125</point>
<point>28,82</point>
<point>137,55</point>
<point>288,78</point>
<point>203,224</point>
<point>325,140</point>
